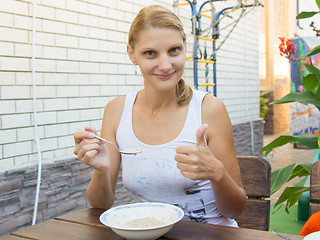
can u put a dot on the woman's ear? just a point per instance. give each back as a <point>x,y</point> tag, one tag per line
<point>130,54</point>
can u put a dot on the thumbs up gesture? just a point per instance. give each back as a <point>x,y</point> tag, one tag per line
<point>197,162</point>
<point>200,135</point>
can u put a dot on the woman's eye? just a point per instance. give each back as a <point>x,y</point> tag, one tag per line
<point>149,53</point>
<point>175,51</point>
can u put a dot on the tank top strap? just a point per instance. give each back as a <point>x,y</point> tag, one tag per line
<point>195,106</point>
<point>125,128</point>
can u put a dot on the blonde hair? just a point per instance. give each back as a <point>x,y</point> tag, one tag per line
<point>156,16</point>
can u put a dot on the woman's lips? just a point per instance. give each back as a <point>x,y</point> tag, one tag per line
<point>164,76</point>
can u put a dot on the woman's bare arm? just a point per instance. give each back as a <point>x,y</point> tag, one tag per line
<point>105,159</point>
<point>227,185</point>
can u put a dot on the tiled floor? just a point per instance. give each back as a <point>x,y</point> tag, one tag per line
<point>284,156</point>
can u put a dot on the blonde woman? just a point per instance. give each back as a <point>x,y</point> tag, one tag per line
<point>188,155</point>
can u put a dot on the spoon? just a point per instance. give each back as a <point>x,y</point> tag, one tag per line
<point>128,151</point>
<point>280,235</point>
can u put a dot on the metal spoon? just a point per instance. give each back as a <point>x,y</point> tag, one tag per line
<point>280,235</point>
<point>128,151</point>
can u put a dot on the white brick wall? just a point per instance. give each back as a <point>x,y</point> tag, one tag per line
<point>7,107</point>
<point>16,149</point>
<point>15,120</point>
<point>8,136</point>
<point>82,64</point>
<point>15,7</point>
<point>15,35</point>
<point>14,64</point>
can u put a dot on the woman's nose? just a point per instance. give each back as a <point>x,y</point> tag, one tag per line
<point>164,63</point>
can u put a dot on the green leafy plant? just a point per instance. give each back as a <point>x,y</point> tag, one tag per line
<point>310,95</point>
<point>281,176</point>
<point>264,108</point>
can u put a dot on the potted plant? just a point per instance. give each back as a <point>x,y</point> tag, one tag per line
<point>309,95</point>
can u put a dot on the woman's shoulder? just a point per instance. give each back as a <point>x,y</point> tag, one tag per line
<point>207,98</point>
<point>211,102</point>
<point>114,109</point>
<point>213,108</point>
<point>116,104</point>
<point>112,115</point>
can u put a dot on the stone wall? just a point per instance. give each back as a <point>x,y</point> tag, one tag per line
<point>63,185</point>
<point>243,141</point>
<point>63,188</point>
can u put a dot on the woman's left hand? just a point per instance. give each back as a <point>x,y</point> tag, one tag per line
<point>197,162</point>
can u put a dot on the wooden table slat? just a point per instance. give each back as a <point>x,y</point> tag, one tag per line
<point>84,224</point>
<point>62,230</point>
<point>88,216</point>
<point>191,230</point>
<point>11,237</point>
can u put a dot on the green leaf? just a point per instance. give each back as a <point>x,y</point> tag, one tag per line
<point>291,195</point>
<point>313,69</point>
<point>311,83</point>
<point>300,170</point>
<point>307,139</point>
<point>318,3</point>
<point>278,142</point>
<point>295,196</point>
<point>279,177</point>
<point>318,93</point>
<point>314,50</point>
<point>283,175</point>
<point>302,97</point>
<point>305,182</point>
<point>306,15</point>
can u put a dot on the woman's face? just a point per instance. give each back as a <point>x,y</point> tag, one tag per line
<point>160,54</point>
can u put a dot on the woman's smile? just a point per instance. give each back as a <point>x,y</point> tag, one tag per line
<point>164,76</point>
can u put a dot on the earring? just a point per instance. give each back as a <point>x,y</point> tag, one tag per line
<point>135,69</point>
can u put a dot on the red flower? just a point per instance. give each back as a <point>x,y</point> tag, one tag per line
<point>287,49</point>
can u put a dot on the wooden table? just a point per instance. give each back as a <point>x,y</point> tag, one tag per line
<point>84,224</point>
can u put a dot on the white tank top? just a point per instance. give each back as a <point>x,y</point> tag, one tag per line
<point>153,175</point>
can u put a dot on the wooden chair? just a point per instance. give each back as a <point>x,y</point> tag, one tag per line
<point>256,178</point>
<point>315,188</point>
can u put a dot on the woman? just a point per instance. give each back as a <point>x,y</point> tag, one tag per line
<point>188,155</point>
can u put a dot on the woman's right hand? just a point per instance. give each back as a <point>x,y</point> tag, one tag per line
<point>91,151</point>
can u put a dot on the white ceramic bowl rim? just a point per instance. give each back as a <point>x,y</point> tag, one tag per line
<point>103,217</point>
<point>311,236</point>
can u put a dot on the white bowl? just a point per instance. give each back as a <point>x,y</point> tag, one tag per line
<point>165,215</point>
<point>313,236</point>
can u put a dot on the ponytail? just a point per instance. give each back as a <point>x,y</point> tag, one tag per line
<point>184,92</point>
